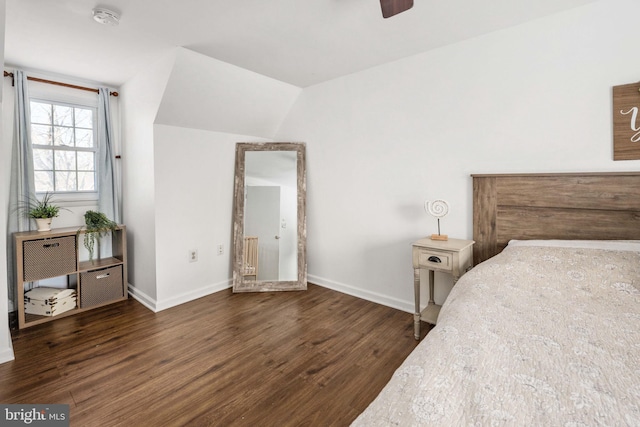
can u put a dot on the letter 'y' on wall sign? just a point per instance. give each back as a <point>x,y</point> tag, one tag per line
<point>626,122</point>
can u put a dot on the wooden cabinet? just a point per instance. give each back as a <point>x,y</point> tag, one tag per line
<point>57,253</point>
<point>453,256</point>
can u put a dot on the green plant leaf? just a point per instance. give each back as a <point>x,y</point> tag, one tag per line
<point>39,208</point>
<point>97,225</point>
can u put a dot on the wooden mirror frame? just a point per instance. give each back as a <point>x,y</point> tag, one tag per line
<point>240,283</point>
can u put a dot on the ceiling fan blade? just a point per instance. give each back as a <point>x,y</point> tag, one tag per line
<point>393,7</point>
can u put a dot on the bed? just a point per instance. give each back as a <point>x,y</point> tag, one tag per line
<point>545,330</point>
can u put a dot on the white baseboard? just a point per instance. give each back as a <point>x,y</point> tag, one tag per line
<point>6,354</point>
<point>407,306</point>
<point>190,296</point>
<point>142,298</point>
<point>156,306</point>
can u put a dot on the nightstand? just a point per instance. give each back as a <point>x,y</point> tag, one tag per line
<point>453,256</point>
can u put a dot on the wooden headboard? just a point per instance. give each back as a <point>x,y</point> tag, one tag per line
<point>585,206</point>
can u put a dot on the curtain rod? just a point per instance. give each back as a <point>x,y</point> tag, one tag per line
<point>36,79</point>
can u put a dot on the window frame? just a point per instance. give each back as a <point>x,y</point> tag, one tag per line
<point>77,195</point>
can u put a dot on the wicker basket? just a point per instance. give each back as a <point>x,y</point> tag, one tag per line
<point>49,258</point>
<point>101,286</point>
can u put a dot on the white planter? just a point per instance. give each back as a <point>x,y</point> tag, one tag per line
<point>44,224</point>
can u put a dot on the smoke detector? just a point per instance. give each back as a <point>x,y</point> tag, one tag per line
<point>106,16</point>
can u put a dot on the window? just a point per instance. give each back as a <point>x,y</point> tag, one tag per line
<point>63,139</point>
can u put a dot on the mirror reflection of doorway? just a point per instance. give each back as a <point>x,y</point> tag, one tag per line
<point>262,219</point>
<point>271,213</point>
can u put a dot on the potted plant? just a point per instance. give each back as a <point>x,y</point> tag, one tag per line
<point>97,225</point>
<point>42,210</point>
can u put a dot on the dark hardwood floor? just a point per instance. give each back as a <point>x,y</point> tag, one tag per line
<point>310,358</point>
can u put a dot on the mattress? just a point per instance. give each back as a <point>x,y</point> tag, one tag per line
<point>545,333</point>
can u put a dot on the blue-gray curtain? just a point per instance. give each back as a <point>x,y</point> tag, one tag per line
<point>108,203</point>
<point>22,185</point>
<point>107,184</point>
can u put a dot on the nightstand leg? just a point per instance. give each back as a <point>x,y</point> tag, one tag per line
<point>416,315</point>
<point>432,281</point>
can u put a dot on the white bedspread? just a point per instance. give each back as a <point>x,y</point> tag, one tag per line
<point>536,336</point>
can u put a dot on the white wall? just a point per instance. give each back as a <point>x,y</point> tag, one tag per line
<point>194,203</point>
<point>532,98</point>
<point>140,98</point>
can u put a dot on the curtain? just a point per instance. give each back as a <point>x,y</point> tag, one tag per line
<point>22,187</point>
<point>108,202</point>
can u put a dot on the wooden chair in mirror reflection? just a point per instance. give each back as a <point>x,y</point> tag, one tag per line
<point>250,257</point>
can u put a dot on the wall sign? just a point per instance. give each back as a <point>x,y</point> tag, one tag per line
<point>626,122</point>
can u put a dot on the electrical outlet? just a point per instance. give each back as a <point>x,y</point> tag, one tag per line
<point>193,255</point>
<point>220,249</point>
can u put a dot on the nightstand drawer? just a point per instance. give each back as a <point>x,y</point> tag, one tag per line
<point>435,260</point>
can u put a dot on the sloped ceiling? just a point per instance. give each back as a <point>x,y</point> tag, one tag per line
<point>294,41</point>
<point>204,93</point>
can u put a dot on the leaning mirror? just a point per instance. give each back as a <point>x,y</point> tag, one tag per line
<point>269,226</point>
